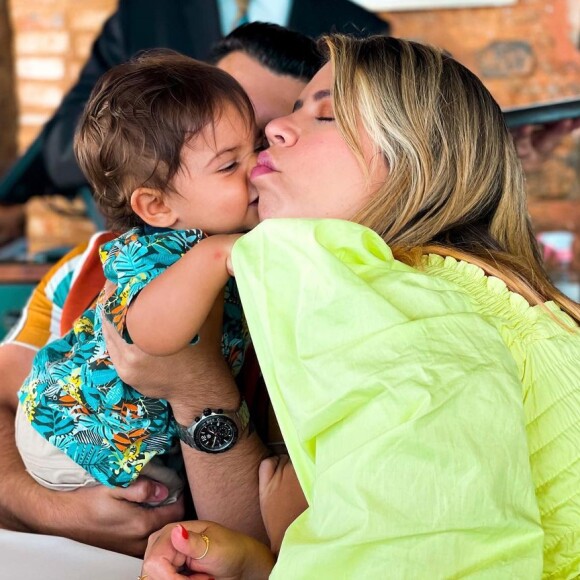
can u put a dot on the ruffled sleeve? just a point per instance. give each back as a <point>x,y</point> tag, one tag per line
<point>553,411</point>
<point>545,343</point>
<point>400,405</point>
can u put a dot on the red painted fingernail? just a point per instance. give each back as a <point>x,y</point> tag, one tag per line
<point>184,532</point>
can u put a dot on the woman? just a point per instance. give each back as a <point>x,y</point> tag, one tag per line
<point>422,367</point>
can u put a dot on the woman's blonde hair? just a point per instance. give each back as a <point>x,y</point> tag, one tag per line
<point>455,184</point>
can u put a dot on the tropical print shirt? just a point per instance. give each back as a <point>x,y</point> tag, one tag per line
<point>73,396</point>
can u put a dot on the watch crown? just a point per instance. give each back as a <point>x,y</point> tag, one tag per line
<point>207,412</point>
<point>220,411</point>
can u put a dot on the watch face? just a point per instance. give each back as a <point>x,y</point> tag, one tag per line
<point>216,433</point>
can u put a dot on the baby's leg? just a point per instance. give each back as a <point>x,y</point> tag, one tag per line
<point>53,469</point>
<point>49,466</point>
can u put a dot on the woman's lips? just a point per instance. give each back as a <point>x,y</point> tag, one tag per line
<point>260,170</point>
<point>263,166</point>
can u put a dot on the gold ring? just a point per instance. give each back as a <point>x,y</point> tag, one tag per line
<point>142,577</point>
<point>206,540</point>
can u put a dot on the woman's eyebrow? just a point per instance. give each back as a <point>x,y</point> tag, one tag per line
<point>318,96</point>
<point>323,94</point>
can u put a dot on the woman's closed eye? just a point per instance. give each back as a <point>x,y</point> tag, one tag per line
<point>324,111</point>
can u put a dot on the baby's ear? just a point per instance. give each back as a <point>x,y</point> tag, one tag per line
<point>149,204</point>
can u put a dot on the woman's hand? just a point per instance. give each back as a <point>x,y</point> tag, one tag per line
<point>223,554</point>
<point>281,497</point>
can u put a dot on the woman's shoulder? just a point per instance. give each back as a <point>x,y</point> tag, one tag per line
<point>342,252</point>
<point>337,257</point>
<point>544,343</point>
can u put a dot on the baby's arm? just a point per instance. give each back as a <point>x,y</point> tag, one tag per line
<point>170,310</point>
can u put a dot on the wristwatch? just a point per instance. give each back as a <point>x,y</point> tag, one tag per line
<point>215,431</point>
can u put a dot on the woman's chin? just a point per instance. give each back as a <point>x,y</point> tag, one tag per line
<point>264,212</point>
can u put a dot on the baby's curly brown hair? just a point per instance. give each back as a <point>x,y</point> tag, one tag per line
<point>137,120</point>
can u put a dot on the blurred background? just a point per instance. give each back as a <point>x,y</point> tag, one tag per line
<point>525,51</point>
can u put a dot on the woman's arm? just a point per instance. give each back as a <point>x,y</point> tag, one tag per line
<point>401,408</point>
<point>171,309</point>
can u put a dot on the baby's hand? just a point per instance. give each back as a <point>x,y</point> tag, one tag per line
<point>229,265</point>
<point>227,243</point>
<point>281,498</point>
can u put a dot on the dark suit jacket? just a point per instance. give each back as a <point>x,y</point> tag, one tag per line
<point>188,26</point>
<point>192,26</point>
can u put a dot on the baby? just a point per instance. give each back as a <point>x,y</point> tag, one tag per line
<point>167,143</point>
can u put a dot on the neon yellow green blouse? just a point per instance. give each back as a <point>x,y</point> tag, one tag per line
<point>432,416</point>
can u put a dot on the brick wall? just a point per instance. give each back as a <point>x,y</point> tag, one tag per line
<point>52,39</point>
<point>8,108</point>
<point>524,53</point>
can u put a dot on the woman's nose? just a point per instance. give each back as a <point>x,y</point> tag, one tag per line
<point>281,131</point>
